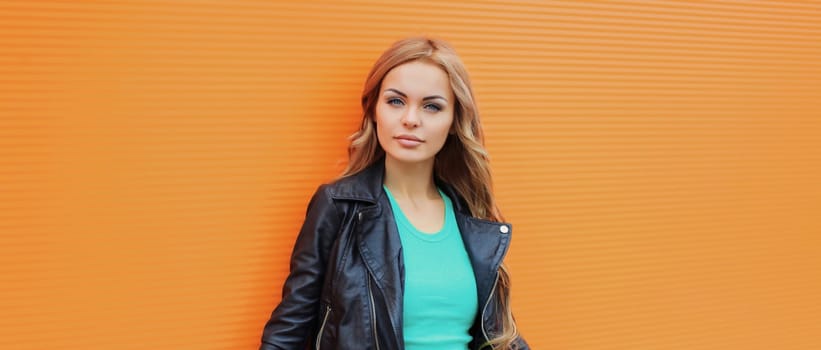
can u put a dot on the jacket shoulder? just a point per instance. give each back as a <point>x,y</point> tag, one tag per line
<point>357,187</point>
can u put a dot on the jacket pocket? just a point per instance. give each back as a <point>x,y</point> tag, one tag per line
<point>322,326</point>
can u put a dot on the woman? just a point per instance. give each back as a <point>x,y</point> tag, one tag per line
<point>405,250</point>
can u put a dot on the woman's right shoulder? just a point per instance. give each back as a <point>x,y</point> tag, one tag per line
<point>334,194</point>
<point>359,186</point>
<point>334,189</point>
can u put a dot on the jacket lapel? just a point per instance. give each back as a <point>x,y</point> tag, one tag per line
<point>378,240</point>
<point>486,245</point>
<point>376,232</point>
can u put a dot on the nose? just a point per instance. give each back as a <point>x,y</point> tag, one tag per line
<point>410,119</point>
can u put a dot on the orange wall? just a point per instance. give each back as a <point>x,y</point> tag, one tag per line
<point>659,160</point>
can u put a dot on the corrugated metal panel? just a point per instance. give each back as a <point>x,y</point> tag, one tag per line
<point>659,161</point>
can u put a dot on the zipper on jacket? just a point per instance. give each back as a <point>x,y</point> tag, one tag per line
<point>373,313</point>
<point>322,327</point>
<point>489,297</point>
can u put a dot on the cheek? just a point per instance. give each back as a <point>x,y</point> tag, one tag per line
<point>446,126</point>
<point>442,132</point>
<point>386,118</point>
<point>382,115</point>
<point>381,125</point>
<point>378,113</point>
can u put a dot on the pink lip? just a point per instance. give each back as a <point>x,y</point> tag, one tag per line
<point>408,141</point>
<point>408,137</point>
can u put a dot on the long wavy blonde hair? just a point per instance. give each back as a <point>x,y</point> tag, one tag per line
<point>462,162</point>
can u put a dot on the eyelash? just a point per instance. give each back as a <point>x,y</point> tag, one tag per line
<point>393,101</point>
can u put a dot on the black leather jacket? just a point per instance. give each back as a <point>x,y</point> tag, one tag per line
<point>345,286</point>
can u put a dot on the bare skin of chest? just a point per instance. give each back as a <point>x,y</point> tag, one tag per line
<point>426,216</point>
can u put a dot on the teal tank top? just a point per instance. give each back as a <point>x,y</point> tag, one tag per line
<point>440,300</point>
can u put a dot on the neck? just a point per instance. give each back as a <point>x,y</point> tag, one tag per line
<point>410,180</point>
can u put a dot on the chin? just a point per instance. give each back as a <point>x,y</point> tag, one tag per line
<point>403,157</point>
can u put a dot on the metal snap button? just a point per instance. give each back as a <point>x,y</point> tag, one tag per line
<point>504,229</point>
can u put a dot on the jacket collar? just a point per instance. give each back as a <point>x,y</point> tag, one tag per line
<point>366,186</point>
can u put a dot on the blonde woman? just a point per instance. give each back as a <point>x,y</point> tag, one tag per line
<point>405,249</point>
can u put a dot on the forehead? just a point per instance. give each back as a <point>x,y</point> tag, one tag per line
<point>418,79</point>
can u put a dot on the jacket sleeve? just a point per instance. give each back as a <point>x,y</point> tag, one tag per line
<point>293,321</point>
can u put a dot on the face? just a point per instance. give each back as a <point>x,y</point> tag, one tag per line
<point>414,112</point>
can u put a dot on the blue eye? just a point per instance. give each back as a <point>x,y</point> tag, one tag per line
<point>395,102</point>
<point>433,107</point>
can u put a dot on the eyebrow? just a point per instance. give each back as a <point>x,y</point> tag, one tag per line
<point>432,97</point>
